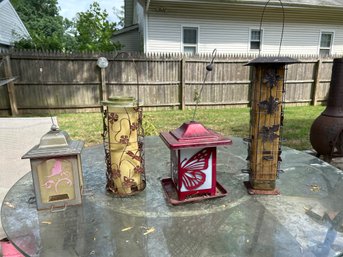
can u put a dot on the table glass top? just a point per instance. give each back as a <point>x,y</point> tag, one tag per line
<point>304,220</point>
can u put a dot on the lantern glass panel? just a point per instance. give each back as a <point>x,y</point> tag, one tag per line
<point>174,156</point>
<point>56,180</point>
<point>124,149</point>
<point>197,167</point>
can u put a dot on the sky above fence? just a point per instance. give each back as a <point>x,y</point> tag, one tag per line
<point>69,8</point>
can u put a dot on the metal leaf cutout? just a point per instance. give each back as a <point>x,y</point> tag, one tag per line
<point>270,105</point>
<point>271,78</point>
<point>268,133</point>
<point>268,158</point>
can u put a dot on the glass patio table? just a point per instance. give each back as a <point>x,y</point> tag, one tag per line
<point>304,220</point>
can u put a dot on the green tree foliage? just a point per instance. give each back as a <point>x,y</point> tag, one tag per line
<point>93,31</point>
<point>45,25</point>
<point>89,31</point>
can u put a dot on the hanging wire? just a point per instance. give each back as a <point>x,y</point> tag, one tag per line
<point>136,71</point>
<point>283,25</point>
<point>209,68</point>
<point>54,126</point>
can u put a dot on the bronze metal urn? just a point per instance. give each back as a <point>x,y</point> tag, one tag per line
<point>326,133</point>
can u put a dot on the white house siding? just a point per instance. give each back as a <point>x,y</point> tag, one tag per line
<point>11,27</point>
<point>226,27</point>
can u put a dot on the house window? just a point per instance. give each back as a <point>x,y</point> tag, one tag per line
<point>255,39</point>
<point>190,40</point>
<point>326,39</point>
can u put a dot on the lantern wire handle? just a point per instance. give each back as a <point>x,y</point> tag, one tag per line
<point>209,68</point>
<point>53,127</point>
<point>282,30</point>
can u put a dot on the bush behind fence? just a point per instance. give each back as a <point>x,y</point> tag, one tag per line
<point>57,82</point>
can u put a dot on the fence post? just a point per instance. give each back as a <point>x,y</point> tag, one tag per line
<point>10,86</point>
<point>316,82</point>
<point>182,97</point>
<point>102,63</point>
<point>103,88</point>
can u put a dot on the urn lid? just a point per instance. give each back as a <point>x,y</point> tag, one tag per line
<point>55,143</point>
<point>193,134</point>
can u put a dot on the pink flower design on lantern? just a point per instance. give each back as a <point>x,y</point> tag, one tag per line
<point>124,140</point>
<point>134,126</point>
<point>48,184</point>
<point>128,182</point>
<point>116,173</point>
<point>140,145</point>
<point>138,169</point>
<point>113,117</point>
<point>140,119</point>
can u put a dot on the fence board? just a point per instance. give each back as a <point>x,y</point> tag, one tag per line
<point>71,82</point>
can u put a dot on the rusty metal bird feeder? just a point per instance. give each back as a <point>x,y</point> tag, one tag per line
<point>266,121</point>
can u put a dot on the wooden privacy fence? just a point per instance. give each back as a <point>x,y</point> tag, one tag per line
<point>56,82</point>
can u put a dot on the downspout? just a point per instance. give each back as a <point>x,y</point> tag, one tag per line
<point>147,5</point>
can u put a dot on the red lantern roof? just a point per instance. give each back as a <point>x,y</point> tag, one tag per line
<point>193,134</point>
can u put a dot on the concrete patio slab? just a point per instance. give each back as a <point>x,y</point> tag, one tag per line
<point>17,136</point>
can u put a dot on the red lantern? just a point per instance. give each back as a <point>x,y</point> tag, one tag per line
<point>193,156</point>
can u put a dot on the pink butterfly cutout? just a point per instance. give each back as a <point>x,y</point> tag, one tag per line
<point>192,174</point>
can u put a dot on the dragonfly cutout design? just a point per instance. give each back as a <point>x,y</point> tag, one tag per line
<point>192,169</point>
<point>134,156</point>
<point>268,133</point>
<point>270,105</point>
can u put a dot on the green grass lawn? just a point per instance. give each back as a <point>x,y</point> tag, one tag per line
<point>230,122</point>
